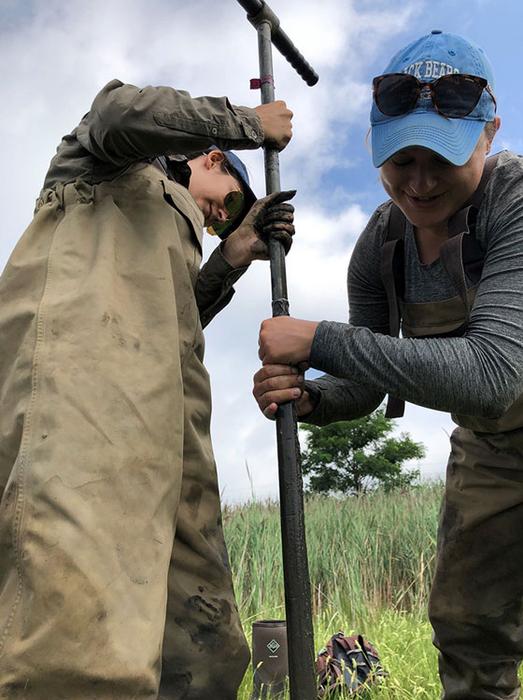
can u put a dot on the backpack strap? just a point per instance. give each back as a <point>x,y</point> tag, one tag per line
<point>461,251</point>
<point>346,643</point>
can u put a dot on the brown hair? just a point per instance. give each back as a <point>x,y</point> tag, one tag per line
<point>490,130</point>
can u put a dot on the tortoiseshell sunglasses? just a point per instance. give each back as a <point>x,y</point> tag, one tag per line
<point>454,95</point>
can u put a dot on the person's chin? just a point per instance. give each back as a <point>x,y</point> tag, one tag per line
<point>425,213</point>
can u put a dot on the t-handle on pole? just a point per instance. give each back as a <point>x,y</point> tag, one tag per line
<point>300,636</point>
<point>257,12</point>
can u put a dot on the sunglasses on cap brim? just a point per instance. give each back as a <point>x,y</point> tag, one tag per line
<point>234,204</point>
<point>454,95</point>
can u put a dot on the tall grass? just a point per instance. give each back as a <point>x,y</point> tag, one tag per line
<point>365,553</point>
<point>371,565</point>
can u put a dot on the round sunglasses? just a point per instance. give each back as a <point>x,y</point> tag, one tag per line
<point>455,95</point>
<point>233,203</point>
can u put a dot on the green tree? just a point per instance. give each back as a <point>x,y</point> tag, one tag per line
<point>357,456</point>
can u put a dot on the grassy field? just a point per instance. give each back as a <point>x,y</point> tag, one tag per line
<point>371,564</point>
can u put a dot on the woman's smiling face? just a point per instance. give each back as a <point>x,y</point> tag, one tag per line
<point>429,189</point>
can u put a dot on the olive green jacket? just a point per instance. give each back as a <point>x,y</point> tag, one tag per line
<point>113,257</point>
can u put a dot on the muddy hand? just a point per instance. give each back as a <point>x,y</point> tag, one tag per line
<point>269,217</point>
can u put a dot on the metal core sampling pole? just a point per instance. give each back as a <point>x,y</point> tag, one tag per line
<point>302,676</point>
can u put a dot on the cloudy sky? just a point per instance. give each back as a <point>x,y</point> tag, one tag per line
<point>56,56</point>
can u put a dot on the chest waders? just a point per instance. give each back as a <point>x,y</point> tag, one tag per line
<point>475,602</point>
<point>301,655</point>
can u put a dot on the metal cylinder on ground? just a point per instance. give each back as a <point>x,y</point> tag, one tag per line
<point>269,659</point>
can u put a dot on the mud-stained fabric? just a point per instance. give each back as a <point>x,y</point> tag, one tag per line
<point>111,411</point>
<point>111,547</point>
<point>476,605</point>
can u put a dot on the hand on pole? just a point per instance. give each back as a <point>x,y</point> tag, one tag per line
<point>286,340</point>
<point>276,121</point>
<point>270,217</point>
<point>277,384</point>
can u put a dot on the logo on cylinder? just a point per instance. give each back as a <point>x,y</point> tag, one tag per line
<point>273,646</point>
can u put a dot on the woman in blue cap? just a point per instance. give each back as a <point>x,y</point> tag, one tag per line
<point>442,261</point>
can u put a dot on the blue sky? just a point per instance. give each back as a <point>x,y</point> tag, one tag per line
<point>57,56</point>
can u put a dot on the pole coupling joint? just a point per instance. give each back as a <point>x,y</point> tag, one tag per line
<point>280,307</point>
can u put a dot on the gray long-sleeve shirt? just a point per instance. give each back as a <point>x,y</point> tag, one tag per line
<point>478,374</point>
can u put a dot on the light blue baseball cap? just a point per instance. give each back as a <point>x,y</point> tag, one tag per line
<point>429,58</point>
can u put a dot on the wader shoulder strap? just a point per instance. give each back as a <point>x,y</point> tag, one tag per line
<point>391,265</point>
<point>462,248</point>
<point>392,275</point>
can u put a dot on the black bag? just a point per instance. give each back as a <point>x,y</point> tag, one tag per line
<point>347,663</point>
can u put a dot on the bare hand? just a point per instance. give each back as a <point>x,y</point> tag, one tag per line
<point>276,120</point>
<point>286,340</point>
<point>270,217</point>
<point>277,384</point>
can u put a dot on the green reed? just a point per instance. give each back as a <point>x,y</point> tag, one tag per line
<point>371,562</point>
<point>366,553</point>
